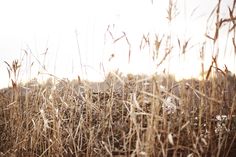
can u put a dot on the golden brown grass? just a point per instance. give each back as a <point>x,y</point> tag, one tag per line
<point>127,118</point>
<point>125,115</point>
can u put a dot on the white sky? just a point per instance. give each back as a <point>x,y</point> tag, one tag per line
<point>36,25</point>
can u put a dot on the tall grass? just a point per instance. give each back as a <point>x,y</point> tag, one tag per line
<point>131,115</point>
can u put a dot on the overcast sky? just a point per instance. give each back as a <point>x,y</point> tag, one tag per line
<point>56,25</point>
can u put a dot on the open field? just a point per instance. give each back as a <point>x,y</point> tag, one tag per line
<point>123,116</point>
<point>129,115</point>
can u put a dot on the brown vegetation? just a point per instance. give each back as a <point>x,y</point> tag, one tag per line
<point>127,118</point>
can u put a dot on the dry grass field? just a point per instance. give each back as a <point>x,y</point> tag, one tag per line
<point>133,115</point>
<point>123,116</point>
